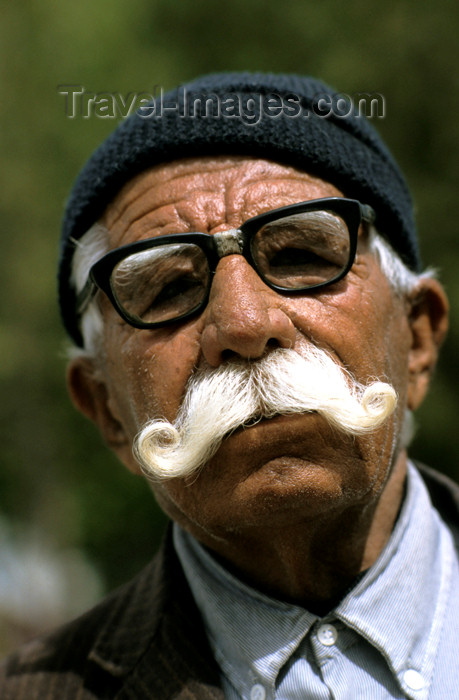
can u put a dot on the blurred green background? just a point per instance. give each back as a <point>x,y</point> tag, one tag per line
<point>63,497</point>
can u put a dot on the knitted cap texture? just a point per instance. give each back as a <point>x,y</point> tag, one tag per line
<point>345,151</point>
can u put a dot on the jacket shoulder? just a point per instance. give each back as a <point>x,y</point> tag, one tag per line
<point>144,641</point>
<point>444,494</point>
<point>60,665</point>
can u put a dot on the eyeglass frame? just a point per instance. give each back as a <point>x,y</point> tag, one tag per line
<point>218,245</point>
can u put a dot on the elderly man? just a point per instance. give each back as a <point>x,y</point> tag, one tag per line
<point>253,333</point>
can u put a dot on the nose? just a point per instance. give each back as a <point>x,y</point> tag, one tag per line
<point>243,316</point>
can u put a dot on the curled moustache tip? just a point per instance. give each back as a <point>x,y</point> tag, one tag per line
<point>163,436</point>
<point>379,399</point>
<point>151,473</point>
<point>155,472</point>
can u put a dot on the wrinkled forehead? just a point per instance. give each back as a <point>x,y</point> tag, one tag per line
<point>206,194</point>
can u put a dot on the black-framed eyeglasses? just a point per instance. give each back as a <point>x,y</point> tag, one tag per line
<point>297,248</point>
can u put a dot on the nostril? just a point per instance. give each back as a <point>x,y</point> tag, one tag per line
<point>228,355</point>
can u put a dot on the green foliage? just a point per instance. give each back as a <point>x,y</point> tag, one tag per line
<point>56,475</point>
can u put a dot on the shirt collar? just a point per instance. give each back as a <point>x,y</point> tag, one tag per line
<point>406,589</point>
<point>251,635</point>
<point>409,582</point>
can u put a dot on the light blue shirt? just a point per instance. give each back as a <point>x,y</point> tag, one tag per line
<point>395,635</point>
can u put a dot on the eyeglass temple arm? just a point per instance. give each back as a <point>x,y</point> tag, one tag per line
<point>85,296</point>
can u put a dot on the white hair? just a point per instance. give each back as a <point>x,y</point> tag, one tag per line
<point>91,247</point>
<point>94,244</point>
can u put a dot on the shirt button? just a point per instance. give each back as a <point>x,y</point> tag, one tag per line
<point>413,679</point>
<point>327,634</point>
<point>257,692</point>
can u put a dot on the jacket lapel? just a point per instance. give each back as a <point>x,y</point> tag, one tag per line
<point>444,494</point>
<point>154,641</point>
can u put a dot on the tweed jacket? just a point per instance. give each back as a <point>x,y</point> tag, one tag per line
<point>145,640</point>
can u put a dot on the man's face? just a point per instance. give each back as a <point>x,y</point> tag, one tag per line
<point>289,468</point>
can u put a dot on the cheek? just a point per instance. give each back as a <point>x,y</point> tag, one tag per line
<point>152,369</point>
<point>167,368</point>
<point>363,326</point>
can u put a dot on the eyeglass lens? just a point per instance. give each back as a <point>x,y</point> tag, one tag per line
<point>302,250</point>
<point>161,283</point>
<point>171,280</point>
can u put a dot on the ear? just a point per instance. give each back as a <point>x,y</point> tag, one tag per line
<point>428,319</point>
<point>90,395</point>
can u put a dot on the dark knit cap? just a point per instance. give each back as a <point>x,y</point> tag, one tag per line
<point>277,117</point>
